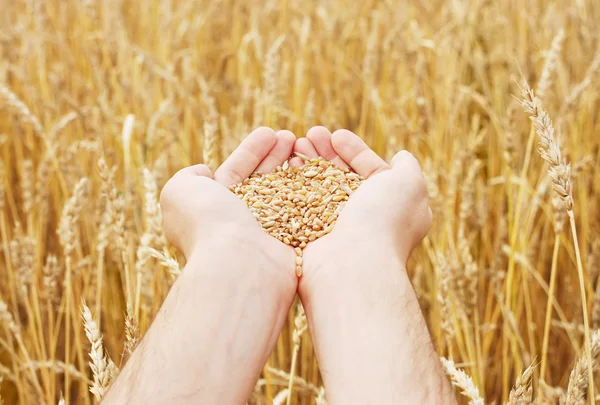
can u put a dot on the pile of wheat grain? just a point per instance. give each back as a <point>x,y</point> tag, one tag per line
<point>298,205</point>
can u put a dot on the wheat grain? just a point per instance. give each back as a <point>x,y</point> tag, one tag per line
<point>108,194</point>
<point>320,400</point>
<point>444,299</point>
<point>462,381</point>
<point>550,64</point>
<point>23,250</point>
<point>522,393</point>
<point>7,318</point>
<point>578,379</point>
<point>50,274</point>
<point>559,171</point>
<point>470,275</point>
<point>101,366</point>
<point>132,331</point>
<point>27,186</point>
<point>210,149</point>
<point>70,215</point>
<point>12,101</point>
<point>588,79</point>
<point>42,178</point>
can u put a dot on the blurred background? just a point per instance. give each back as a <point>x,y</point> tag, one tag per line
<point>101,101</point>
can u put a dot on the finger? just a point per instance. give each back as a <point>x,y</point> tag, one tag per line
<point>280,152</point>
<point>196,170</point>
<point>246,158</point>
<point>296,162</point>
<point>357,154</point>
<point>321,140</point>
<point>405,158</point>
<point>306,148</point>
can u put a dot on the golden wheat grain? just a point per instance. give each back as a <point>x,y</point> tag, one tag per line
<point>23,251</point>
<point>522,392</point>
<point>588,79</point>
<point>50,275</point>
<point>67,232</point>
<point>444,299</point>
<point>552,56</point>
<point>102,367</point>
<point>320,400</point>
<point>13,102</point>
<point>132,331</point>
<point>462,381</point>
<point>27,186</point>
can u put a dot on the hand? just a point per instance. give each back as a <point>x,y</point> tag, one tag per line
<point>200,212</point>
<point>368,332</point>
<point>221,319</point>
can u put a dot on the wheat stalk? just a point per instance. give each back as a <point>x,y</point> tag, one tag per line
<point>560,174</point>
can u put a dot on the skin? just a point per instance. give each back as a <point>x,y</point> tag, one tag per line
<point>220,321</point>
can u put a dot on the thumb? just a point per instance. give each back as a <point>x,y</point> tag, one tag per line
<point>196,170</point>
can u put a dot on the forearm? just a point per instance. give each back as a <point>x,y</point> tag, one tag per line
<point>370,336</point>
<point>210,339</point>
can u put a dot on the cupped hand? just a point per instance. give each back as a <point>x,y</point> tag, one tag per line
<point>368,332</point>
<point>387,215</point>
<point>201,213</point>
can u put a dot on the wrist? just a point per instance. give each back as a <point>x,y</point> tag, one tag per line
<point>254,262</point>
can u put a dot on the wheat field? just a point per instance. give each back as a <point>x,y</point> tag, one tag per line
<point>101,101</point>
